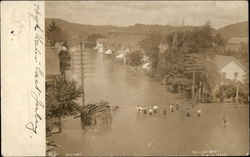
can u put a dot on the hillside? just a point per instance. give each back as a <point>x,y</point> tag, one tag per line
<point>84,30</point>
<point>79,29</point>
<point>234,30</point>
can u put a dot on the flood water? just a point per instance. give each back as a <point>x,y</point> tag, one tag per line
<point>133,134</point>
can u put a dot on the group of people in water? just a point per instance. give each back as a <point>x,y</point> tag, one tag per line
<point>172,107</point>
<point>155,109</point>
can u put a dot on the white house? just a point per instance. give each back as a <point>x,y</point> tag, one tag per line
<point>230,68</point>
<point>100,45</point>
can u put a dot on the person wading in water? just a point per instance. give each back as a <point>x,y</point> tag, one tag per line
<point>188,114</point>
<point>164,110</point>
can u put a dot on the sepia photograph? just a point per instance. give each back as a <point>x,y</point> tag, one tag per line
<point>147,78</point>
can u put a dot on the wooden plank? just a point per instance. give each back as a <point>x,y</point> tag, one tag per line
<point>193,68</point>
<point>193,65</point>
<point>190,72</point>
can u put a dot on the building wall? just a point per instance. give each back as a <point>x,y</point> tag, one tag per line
<point>231,68</point>
<point>234,47</point>
<point>99,44</point>
<point>100,47</point>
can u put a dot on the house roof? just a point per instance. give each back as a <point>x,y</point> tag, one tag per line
<point>237,40</point>
<point>222,60</point>
<point>52,63</point>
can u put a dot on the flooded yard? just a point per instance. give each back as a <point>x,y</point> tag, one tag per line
<point>136,134</point>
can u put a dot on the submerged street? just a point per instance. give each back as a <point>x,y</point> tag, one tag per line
<point>132,133</point>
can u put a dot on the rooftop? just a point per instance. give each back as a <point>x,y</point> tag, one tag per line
<point>222,60</point>
<point>238,40</point>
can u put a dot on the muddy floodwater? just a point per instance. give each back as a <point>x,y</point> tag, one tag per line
<point>132,133</point>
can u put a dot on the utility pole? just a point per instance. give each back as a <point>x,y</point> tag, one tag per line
<point>82,75</point>
<point>79,69</point>
<point>78,66</point>
<point>72,62</point>
<point>237,93</point>
<point>193,86</point>
<point>193,66</point>
<point>200,92</point>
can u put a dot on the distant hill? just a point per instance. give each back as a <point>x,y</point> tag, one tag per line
<point>234,30</point>
<point>85,30</point>
<point>79,29</point>
<point>75,30</point>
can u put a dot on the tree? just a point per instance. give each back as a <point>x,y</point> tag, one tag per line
<point>186,58</point>
<point>55,34</point>
<point>151,48</point>
<point>229,90</point>
<point>244,54</point>
<point>135,59</point>
<point>62,102</point>
<point>179,82</point>
<point>245,86</point>
<point>65,59</point>
<point>219,40</point>
<point>92,40</point>
<point>206,37</point>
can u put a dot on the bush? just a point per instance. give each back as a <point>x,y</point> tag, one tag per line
<point>182,82</point>
<point>91,112</point>
<point>229,91</point>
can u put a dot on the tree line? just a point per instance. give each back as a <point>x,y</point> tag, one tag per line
<point>186,64</point>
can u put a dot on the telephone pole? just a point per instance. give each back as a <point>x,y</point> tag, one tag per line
<point>82,75</point>
<point>237,93</point>
<point>78,65</point>
<point>193,66</point>
<point>193,86</point>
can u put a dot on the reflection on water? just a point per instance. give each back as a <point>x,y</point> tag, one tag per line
<point>133,133</point>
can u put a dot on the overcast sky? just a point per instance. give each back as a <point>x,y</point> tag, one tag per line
<point>119,13</point>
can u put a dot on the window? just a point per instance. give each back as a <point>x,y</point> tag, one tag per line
<point>235,76</point>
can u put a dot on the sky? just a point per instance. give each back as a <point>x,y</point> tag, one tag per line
<point>125,13</point>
